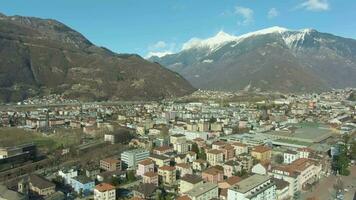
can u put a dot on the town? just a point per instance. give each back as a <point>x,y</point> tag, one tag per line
<point>210,145</point>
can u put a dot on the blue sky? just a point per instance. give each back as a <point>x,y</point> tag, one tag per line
<point>143,26</point>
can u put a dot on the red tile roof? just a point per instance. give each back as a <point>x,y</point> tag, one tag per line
<point>102,187</point>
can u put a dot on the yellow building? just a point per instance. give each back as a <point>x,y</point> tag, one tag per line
<point>262,153</point>
<point>167,175</point>
<point>215,157</point>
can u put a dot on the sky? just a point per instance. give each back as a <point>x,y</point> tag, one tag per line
<point>156,27</point>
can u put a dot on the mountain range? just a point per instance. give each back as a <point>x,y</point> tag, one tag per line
<point>272,59</point>
<point>43,56</point>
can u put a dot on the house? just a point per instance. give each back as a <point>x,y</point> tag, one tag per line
<point>145,191</point>
<point>225,185</point>
<point>190,156</point>
<point>218,145</point>
<point>150,177</point>
<point>229,152</point>
<point>204,191</point>
<point>160,160</point>
<point>232,167</point>
<point>189,181</point>
<point>104,191</point>
<point>41,186</point>
<point>183,169</point>
<point>254,187</point>
<point>200,165</point>
<point>167,175</point>
<point>240,148</point>
<point>261,168</point>
<point>215,157</point>
<point>246,162</point>
<point>144,166</point>
<point>162,150</point>
<point>68,174</point>
<point>282,189</point>
<point>110,164</point>
<point>289,156</point>
<point>213,174</point>
<point>262,153</point>
<point>82,185</point>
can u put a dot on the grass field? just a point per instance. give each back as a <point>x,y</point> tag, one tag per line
<point>61,138</point>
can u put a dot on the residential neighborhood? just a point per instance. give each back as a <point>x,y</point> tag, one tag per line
<point>291,147</point>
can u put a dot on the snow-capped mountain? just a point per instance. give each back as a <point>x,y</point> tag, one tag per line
<point>274,58</point>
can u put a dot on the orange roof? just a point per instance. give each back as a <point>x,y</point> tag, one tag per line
<point>167,168</point>
<point>261,149</point>
<point>213,171</point>
<point>163,148</point>
<point>184,198</point>
<point>111,160</point>
<point>102,187</point>
<point>239,144</point>
<point>150,174</point>
<point>215,151</point>
<point>233,180</point>
<point>146,162</point>
<point>183,165</point>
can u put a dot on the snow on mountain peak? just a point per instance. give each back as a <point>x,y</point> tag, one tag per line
<point>291,38</point>
<point>220,38</point>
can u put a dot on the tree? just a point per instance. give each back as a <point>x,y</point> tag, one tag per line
<point>353,150</point>
<point>202,154</point>
<point>130,176</point>
<point>341,162</point>
<point>195,148</point>
<point>279,158</point>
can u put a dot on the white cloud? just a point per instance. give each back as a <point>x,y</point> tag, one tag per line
<point>158,54</point>
<point>272,13</point>
<point>245,13</point>
<point>159,45</point>
<point>315,5</point>
<point>160,49</point>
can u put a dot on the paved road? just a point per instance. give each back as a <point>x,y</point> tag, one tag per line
<point>325,189</point>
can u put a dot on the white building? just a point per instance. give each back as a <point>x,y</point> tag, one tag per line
<point>255,187</point>
<point>104,191</point>
<point>204,191</point>
<point>131,158</point>
<point>68,174</point>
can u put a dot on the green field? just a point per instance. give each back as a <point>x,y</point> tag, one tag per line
<point>61,138</point>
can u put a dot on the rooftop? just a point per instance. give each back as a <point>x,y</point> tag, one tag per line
<point>104,187</point>
<point>250,183</point>
<point>201,189</point>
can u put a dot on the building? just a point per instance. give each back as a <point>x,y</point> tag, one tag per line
<point>213,175</point>
<point>110,164</point>
<point>240,148</point>
<point>131,158</point>
<point>204,191</point>
<point>145,191</point>
<point>82,185</point>
<point>200,165</point>
<point>167,175</point>
<point>41,186</point>
<point>299,174</point>
<point>262,153</point>
<point>104,191</point>
<point>183,169</point>
<point>188,182</point>
<point>150,177</point>
<point>231,168</point>
<point>215,157</point>
<point>144,166</point>
<point>68,174</point>
<point>160,160</point>
<point>255,187</point>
